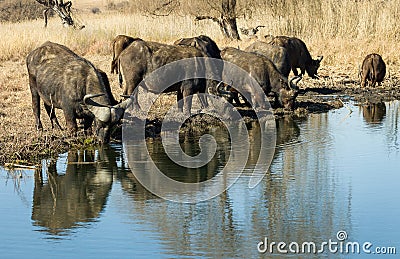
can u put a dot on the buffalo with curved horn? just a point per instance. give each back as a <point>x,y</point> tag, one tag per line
<point>265,73</point>
<point>66,81</point>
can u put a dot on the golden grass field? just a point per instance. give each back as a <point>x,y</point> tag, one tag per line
<point>343,31</point>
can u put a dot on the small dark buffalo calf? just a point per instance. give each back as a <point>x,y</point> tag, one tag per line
<point>299,55</point>
<point>373,69</point>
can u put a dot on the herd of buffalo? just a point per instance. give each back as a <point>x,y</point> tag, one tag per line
<point>66,81</point>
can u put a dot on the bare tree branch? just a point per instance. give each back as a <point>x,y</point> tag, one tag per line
<point>213,6</point>
<point>63,10</point>
<point>205,17</point>
<point>165,9</point>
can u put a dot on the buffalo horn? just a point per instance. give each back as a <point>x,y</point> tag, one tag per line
<point>118,110</point>
<point>101,112</point>
<point>222,92</point>
<point>90,96</point>
<point>294,81</point>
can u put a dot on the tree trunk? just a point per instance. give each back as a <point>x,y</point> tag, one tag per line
<point>228,19</point>
<point>229,28</point>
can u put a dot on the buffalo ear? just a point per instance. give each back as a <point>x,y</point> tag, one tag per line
<point>319,58</point>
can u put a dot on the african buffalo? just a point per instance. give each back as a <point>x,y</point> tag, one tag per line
<point>266,74</point>
<point>208,47</point>
<point>278,55</point>
<point>373,69</point>
<point>118,45</point>
<point>299,55</point>
<point>141,58</point>
<point>69,82</point>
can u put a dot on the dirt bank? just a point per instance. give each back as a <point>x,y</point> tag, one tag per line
<point>21,143</point>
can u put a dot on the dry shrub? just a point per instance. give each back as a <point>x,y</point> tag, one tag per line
<point>20,10</point>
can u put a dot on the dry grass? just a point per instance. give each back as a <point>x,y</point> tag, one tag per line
<point>341,30</point>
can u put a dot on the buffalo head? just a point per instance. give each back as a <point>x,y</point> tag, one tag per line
<point>105,116</point>
<point>288,93</point>
<point>312,68</point>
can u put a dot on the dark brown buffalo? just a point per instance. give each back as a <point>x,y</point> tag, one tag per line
<point>208,47</point>
<point>141,58</point>
<point>203,43</point>
<point>373,69</point>
<point>265,73</point>
<point>118,45</point>
<point>299,55</point>
<point>66,81</point>
<point>278,55</point>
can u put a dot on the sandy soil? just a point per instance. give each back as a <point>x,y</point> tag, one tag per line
<point>20,142</point>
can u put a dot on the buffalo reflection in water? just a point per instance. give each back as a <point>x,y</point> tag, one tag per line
<point>78,194</point>
<point>75,197</point>
<point>277,207</point>
<point>287,131</point>
<point>374,113</point>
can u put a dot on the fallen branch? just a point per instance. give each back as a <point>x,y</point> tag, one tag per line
<point>346,105</point>
<point>12,166</point>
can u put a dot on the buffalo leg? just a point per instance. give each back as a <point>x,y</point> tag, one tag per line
<point>188,102</point>
<point>295,72</point>
<point>235,97</point>
<point>35,103</point>
<point>187,92</point>
<point>373,81</point>
<point>179,97</point>
<point>70,120</point>
<point>364,79</point>
<point>52,115</point>
<point>132,88</point>
<point>302,71</point>
<point>87,124</point>
<point>201,94</point>
<point>203,101</point>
